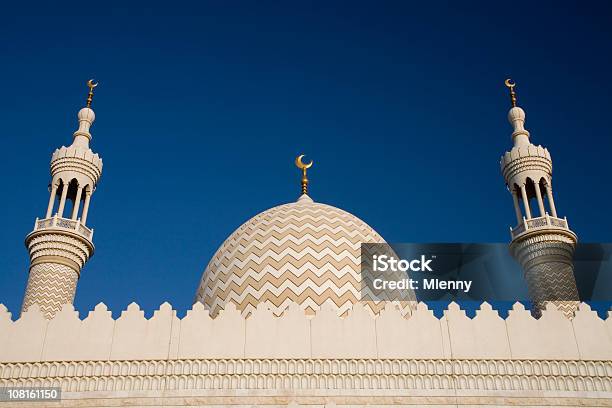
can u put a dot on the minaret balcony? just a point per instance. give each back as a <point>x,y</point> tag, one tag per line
<point>539,224</point>
<point>60,223</point>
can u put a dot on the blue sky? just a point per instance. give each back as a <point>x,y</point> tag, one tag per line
<point>202,108</point>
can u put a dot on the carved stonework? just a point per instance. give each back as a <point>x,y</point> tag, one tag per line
<point>546,258</point>
<point>313,374</point>
<point>73,248</point>
<point>296,335</point>
<point>360,359</point>
<point>50,285</point>
<point>75,162</point>
<point>56,259</point>
<point>526,161</point>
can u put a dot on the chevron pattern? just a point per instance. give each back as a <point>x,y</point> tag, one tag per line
<point>302,252</point>
<point>50,285</point>
<point>553,282</point>
<point>547,261</point>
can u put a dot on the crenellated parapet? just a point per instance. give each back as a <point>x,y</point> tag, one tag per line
<point>526,162</point>
<point>75,162</point>
<point>389,358</point>
<point>298,334</point>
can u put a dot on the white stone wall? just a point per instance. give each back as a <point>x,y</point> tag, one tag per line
<point>99,337</point>
<point>357,360</point>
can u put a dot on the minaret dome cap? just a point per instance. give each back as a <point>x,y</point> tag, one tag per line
<point>87,115</point>
<point>520,135</point>
<point>515,114</point>
<point>82,136</point>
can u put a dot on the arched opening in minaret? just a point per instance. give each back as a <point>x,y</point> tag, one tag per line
<point>536,194</point>
<point>58,196</point>
<point>76,197</point>
<point>68,197</point>
<point>531,194</point>
<point>71,198</point>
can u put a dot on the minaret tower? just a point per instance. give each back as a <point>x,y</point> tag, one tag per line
<point>61,243</point>
<point>542,242</point>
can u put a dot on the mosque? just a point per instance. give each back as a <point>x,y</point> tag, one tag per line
<point>280,317</point>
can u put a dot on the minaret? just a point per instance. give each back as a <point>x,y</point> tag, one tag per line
<point>542,242</point>
<point>61,243</point>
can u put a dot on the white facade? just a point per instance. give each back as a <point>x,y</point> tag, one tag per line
<point>252,343</point>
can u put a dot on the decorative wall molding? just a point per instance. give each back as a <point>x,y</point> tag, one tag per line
<point>304,374</point>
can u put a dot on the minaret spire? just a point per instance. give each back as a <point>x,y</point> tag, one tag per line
<point>61,244</point>
<point>511,86</point>
<point>86,116</point>
<point>542,243</point>
<point>91,86</point>
<point>303,166</point>
<point>516,117</point>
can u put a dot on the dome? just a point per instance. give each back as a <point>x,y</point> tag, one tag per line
<point>303,252</point>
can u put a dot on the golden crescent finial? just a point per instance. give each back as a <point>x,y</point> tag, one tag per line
<point>91,85</point>
<point>508,82</point>
<point>303,166</point>
<point>300,164</point>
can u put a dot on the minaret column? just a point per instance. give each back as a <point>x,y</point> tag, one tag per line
<point>86,206</point>
<point>51,200</point>
<point>525,200</point>
<point>539,198</point>
<point>551,200</point>
<point>77,202</point>
<point>62,204</point>
<point>517,206</point>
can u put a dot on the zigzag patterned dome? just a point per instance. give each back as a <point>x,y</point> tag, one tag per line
<point>303,252</point>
